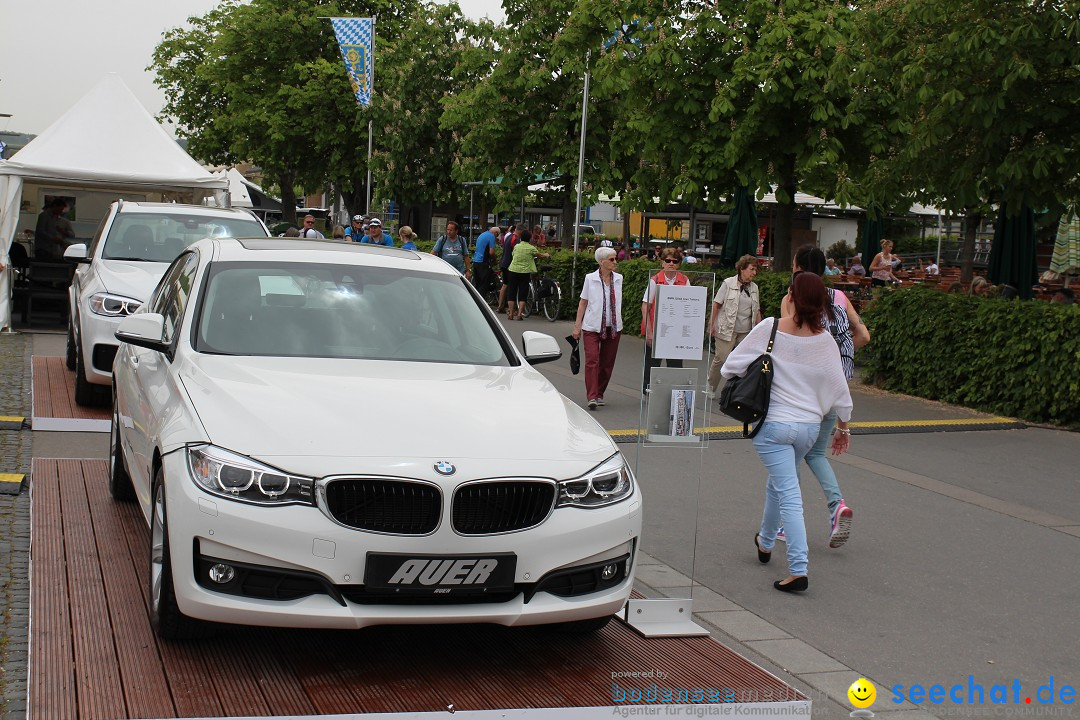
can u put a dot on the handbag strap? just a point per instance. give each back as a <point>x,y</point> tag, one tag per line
<point>772,336</point>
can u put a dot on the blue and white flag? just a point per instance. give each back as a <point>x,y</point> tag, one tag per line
<point>356,37</point>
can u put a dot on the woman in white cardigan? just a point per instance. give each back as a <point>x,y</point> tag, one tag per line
<point>808,383</point>
<point>599,320</point>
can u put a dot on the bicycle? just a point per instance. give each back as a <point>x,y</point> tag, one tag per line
<point>544,294</point>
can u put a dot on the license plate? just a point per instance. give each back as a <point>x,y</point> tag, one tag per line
<point>440,574</point>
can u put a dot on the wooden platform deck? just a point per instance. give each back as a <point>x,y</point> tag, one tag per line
<point>93,654</point>
<point>54,400</point>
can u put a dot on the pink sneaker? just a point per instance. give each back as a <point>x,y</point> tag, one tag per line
<point>841,525</point>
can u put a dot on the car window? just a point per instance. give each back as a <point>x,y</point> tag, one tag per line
<point>318,310</point>
<point>171,297</point>
<point>160,237</point>
<point>96,240</point>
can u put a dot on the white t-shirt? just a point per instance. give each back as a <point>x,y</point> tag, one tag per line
<point>808,379</point>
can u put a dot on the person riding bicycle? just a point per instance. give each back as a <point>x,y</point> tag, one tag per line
<point>483,258</point>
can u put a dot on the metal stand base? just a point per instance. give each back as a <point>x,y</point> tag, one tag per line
<point>663,617</point>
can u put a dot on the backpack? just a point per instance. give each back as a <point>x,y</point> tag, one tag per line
<point>836,319</point>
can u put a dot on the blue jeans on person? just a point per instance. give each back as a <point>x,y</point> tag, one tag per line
<point>781,447</point>
<point>820,466</point>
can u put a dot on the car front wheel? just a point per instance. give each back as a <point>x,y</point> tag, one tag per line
<point>165,616</point>
<point>69,360</point>
<point>86,393</point>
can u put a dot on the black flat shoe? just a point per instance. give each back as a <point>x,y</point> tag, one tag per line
<point>762,556</point>
<point>797,585</point>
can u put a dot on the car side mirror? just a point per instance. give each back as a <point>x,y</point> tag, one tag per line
<point>76,253</point>
<point>146,330</point>
<point>540,348</point>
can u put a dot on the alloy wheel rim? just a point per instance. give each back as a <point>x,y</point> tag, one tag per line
<point>157,547</point>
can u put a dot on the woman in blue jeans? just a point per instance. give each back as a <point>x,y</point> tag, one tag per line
<point>808,383</point>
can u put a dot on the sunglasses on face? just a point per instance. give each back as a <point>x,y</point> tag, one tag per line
<point>671,260</point>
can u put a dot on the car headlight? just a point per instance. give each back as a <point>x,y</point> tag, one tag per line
<point>236,477</point>
<point>607,483</point>
<point>113,305</point>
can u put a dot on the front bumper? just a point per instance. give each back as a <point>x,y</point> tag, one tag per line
<point>323,564</point>
<point>97,337</point>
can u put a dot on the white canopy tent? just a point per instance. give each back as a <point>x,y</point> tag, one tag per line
<point>108,142</point>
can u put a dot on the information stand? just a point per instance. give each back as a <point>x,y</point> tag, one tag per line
<point>672,422</point>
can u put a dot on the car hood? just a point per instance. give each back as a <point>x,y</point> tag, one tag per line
<point>282,410</point>
<point>130,279</point>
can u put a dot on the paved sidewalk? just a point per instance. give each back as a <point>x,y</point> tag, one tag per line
<point>15,455</point>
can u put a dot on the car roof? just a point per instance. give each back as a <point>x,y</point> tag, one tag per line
<point>170,208</point>
<point>311,250</point>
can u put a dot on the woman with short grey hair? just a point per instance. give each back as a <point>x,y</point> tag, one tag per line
<point>599,320</point>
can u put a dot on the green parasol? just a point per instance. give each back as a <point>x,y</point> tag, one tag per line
<point>1066,258</point>
<point>742,229</point>
<point>1012,256</point>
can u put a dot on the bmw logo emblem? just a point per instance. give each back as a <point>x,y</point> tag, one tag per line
<point>444,468</point>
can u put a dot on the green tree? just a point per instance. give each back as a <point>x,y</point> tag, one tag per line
<point>746,92</point>
<point>521,121</point>
<point>264,81</point>
<point>426,64</point>
<point>975,101</point>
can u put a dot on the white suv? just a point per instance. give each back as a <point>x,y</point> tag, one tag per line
<point>127,257</point>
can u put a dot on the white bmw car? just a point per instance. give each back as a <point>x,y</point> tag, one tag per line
<point>333,435</point>
<point>127,257</point>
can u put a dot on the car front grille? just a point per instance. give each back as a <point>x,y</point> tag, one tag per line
<point>485,508</point>
<point>388,506</point>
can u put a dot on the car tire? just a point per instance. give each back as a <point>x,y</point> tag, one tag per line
<point>70,359</point>
<point>86,393</point>
<point>120,486</point>
<point>165,616</point>
<point>583,627</point>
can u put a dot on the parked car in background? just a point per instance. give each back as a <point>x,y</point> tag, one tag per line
<point>240,391</point>
<point>125,260</point>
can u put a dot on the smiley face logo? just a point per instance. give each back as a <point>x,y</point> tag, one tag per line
<point>862,693</point>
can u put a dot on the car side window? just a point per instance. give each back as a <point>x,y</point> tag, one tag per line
<point>172,295</point>
<point>97,237</point>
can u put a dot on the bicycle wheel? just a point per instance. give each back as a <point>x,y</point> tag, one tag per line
<point>552,301</point>
<point>530,302</point>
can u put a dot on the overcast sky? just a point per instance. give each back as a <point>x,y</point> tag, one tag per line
<point>53,51</point>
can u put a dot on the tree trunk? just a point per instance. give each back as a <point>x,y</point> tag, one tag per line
<point>784,213</point>
<point>566,234</point>
<point>967,266</point>
<point>288,198</point>
<point>626,232</point>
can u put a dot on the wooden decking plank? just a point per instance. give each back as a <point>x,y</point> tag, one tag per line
<point>40,375</point>
<point>52,665</point>
<point>97,676</point>
<point>263,671</point>
<point>279,684</point>
<point>146,690</point>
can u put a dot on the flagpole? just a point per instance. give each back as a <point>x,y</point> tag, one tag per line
<point>367,205</point>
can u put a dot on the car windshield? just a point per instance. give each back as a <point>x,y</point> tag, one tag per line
<point>161,237</point>
<point>319,310</point>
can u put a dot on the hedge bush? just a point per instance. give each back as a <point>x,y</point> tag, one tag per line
<point>1007,357</point>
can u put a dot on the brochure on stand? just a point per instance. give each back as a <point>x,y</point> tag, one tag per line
<point>680,322</point>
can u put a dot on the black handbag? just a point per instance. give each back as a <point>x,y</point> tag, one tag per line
<point>746,398</point>
<point>575,357</point>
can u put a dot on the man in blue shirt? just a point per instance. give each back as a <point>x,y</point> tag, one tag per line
<point>375,234</point>
<point>355,231</point>
<point>483,257</point>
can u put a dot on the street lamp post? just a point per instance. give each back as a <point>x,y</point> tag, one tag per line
<point>580,172</point>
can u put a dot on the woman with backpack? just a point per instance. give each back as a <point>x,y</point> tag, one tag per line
<point>847,329</point>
